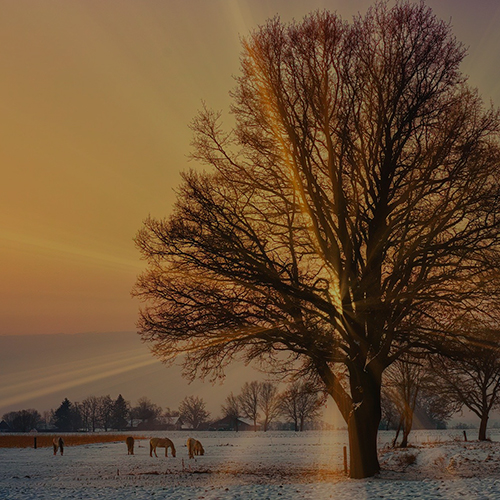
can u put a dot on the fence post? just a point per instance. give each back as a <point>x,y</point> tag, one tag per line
<point>465,436</point>
<point>34,442</point>
<point>345,460</point>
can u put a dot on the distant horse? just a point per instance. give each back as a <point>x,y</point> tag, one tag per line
<point>161,443</point>
<point>58,443</point>
<point>194,448</point>
<point>130,445</point>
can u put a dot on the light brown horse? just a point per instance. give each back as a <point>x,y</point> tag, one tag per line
<point>58,443</point>
<point>161,443</point>
<point>130,445</point>
<point>194,448</point>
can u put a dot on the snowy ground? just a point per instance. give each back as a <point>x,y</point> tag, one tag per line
<point>247,465</point>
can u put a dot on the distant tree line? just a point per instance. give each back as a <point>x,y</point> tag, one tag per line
<point>260,402</point>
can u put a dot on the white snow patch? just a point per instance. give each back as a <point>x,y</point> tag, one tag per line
<point>248,465</point>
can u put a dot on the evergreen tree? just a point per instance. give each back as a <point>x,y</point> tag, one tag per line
<point>67,416</point>
<point>121,411</point>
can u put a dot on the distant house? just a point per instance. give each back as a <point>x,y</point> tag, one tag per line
<point>233,424</point>
<point>179,425</point>
<point>4,426</point>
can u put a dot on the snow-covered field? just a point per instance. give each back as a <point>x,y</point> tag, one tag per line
<point>260,466</point>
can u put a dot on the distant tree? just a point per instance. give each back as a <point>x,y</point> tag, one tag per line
<point>120,413</point>
<point>390,416</point>
<point>146,411</point>
<point>403,382</point>
<point>192,410</point>
<point>231,409</point>
<point>301,403</point>
<point>250,401</point>
<point>106,405</point>
<point>67,416</point>
<point>269,403</point>
<point>90,409</point>
<point>470,374</point>
<point>23,420</point>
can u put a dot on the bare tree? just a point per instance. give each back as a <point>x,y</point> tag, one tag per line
<point>353,208</point>
<point>193,411</point>
<point>301,403</point>
<point>23,420</point>
<point>403,383</point>
<point>231,409</point>
<point>146,411</point>
<point>250,401</point>
<point>470,375</point>
<point>269,403</point>
<point>390,416</point>
<point>90,411</point>
<point>106,406</point>
<point>411,388</point>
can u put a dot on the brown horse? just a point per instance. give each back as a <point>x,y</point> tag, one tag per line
<point>58,443</point>
<point>130,445</point>
<point>194,448</point>
<point>161,443</point>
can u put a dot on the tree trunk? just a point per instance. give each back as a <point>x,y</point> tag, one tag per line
<point>363,423</point>
<point>363,429</point>
<point>395,440</point>
<point>483,426</point>
<point>404,441</point>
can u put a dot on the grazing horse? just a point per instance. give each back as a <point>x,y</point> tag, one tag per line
<point>130,445</point>
<point>58,443</point>
<point>194,448</point>
<point>161,443</point>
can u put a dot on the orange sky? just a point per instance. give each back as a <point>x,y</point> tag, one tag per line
<point>96,101</point>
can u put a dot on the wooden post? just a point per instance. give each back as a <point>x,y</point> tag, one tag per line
<point>465,436</point>
<point>345,460</point>
<point>34,442</point>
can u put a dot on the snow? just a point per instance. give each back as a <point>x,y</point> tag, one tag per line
<point>247,465</point>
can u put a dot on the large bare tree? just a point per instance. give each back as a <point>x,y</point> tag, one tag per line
<point>347,217</point>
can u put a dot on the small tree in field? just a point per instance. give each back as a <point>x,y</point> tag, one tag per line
<point>192,410</point>
<point>470,375</point>
<point>403,383</point>
<point>352,210</point>
<point>410,385</point>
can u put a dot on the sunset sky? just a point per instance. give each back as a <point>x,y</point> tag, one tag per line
<point>96,101</point>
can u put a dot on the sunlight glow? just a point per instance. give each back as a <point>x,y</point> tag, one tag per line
<point>65,249</point>
<point>42,382</point>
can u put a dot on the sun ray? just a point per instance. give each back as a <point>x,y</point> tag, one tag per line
<point>44,382</point>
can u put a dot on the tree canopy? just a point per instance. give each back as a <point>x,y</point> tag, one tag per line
<point>347,218</point>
